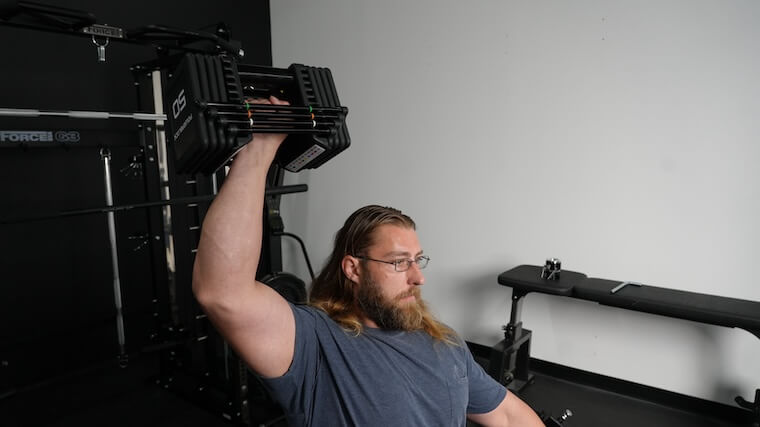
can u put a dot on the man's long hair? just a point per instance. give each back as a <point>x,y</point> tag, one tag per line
<point>334,293</point>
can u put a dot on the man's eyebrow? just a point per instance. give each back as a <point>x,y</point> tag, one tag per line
<point>401,253</point>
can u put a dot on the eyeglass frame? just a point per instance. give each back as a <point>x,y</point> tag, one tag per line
<point>398,262</point>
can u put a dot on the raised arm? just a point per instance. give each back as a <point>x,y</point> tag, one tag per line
<point>251,316</point>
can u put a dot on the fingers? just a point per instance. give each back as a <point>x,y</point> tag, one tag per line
<point>271,100</point>
<point>274,100</point>
<point>266,138</point>
<point>257,101</point>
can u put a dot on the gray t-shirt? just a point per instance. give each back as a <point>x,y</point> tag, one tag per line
<point>379,378</point>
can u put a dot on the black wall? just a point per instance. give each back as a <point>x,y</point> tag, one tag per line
<point>56,289</point>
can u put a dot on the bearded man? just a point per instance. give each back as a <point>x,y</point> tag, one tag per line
<point>365,351</point>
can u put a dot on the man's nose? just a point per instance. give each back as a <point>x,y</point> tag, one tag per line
<point>414,275</point>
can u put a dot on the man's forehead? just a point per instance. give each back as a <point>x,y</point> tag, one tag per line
<point>393,240</point>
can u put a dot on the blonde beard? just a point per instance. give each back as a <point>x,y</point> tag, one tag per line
<point>391,313</point>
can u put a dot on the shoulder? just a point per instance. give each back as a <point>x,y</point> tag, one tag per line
<point>309,316</point>
<point>453,342</point>
<point>312,318</point>
<point>311,312</point>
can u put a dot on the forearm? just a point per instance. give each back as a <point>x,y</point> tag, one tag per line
<point>526,418</point>
<point>230,243</point>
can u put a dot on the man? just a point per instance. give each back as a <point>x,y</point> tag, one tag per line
<point>366,352</point>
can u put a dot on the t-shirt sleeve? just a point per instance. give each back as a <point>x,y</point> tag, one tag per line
<point>293,389</point>
<point>485,392</point>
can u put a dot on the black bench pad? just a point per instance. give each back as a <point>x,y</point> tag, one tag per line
<point>703,308</point>
<point>527,278</point>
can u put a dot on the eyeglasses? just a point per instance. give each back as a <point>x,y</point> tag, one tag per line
<point>402,265</point>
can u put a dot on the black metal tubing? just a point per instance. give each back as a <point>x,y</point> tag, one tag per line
<point>274,115</point>
<point>285,189</point>
<point>263,123</point>
<point>154,33</point>
<point>149,35</point>
<point>291,131</point>
<point>294,108</point>
<point>49,14</point>
<point>267,75</point>
<point>303,249</point>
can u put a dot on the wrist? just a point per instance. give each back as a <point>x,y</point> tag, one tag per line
<point>257,152</point>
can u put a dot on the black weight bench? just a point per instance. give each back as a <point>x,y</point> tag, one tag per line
<point>509,362</point>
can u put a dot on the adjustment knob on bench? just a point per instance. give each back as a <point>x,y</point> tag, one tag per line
<point>551,269</point>
<point>554,422</point>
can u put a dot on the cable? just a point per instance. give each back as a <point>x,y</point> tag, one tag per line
<point>303,248</point>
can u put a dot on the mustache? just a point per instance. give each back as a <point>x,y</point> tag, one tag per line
<point>411,292</point>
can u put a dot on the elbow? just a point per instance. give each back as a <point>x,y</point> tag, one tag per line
<point>211,302</point>
<point>202,290</point>
<point>201,295</point>
<point>198,286</point>
<point>208,296</point>
<point>217,297</point>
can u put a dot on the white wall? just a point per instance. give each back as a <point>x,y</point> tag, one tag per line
<point>621,137</point>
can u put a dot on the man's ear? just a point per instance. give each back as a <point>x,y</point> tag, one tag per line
<point>351,268</point>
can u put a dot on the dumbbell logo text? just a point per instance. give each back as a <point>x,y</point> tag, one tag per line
<point>179,104</point>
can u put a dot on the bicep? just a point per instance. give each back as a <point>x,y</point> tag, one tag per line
<point>495,417</point>
<point>510,412</point>
<point>259,324</point>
